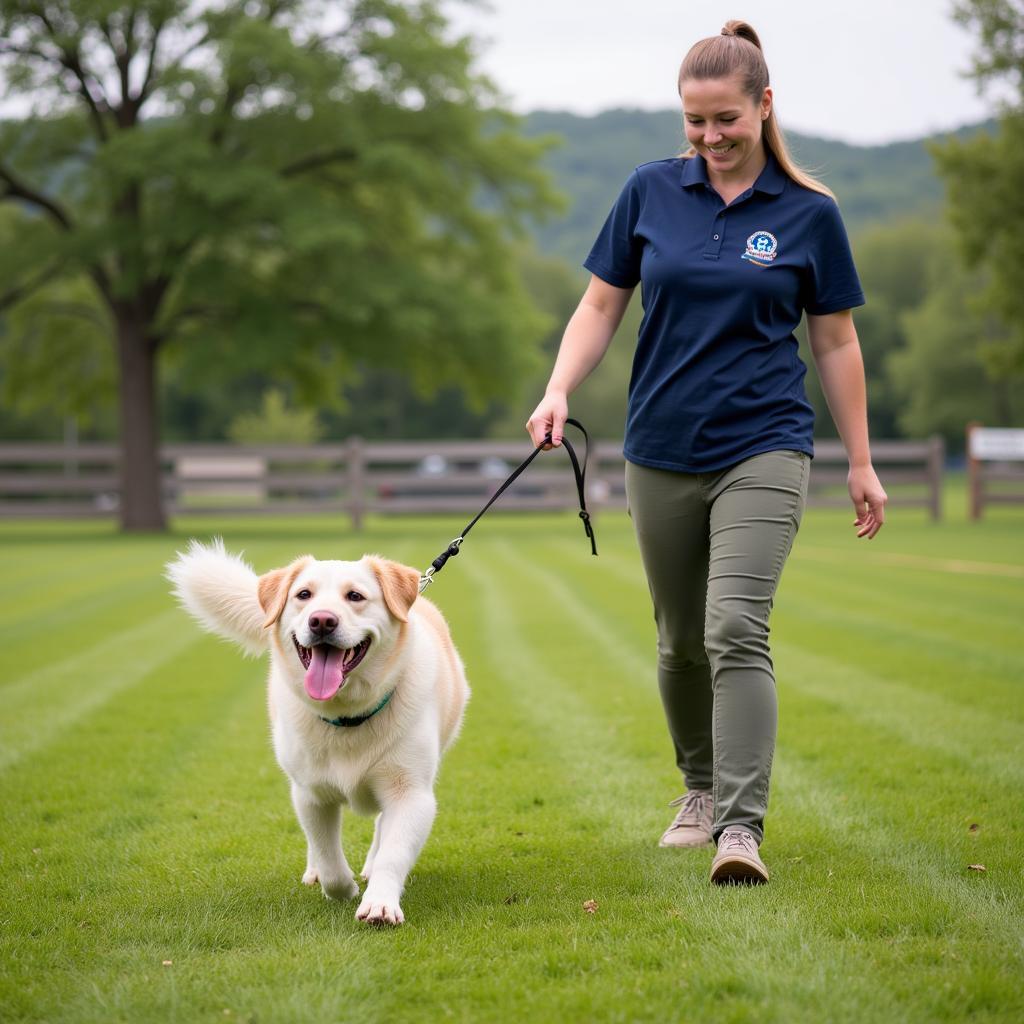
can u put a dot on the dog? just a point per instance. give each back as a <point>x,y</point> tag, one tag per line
<point>366,692</point>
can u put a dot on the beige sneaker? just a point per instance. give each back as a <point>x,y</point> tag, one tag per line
<point>692,825</point>
<point>737,861</point>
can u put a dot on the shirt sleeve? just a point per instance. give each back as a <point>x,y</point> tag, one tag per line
<point>831,281</point>
<point>615,256</point>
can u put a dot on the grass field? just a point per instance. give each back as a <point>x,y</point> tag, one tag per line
<point>151,859</point>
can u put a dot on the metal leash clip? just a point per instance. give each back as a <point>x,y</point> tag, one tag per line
<point>438,563</point>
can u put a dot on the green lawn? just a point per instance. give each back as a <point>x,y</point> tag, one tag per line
<point>144,819</point>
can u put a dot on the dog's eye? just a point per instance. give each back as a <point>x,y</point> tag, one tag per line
<point>355,596</point>
<point>304,594</point>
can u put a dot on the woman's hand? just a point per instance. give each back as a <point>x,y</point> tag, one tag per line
<point>869,500</point>
<point>549,418</point>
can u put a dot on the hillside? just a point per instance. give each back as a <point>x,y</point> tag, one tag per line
<point>597,153</point>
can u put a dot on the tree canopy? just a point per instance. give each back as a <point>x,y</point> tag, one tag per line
<point>984,174</point>
<point>289,187</point>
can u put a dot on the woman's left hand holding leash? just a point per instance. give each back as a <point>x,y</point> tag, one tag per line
<point>869,500</point>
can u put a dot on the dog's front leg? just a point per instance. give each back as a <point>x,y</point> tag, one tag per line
<point>404,825</point>
<point>325,859</point>
<point>374,847</point>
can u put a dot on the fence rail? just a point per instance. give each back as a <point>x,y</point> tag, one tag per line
<point>356,477</point>
<point>995,468</point>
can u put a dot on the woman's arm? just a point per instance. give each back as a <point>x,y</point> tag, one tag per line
<point>587,337</point>
<point>840,366</point>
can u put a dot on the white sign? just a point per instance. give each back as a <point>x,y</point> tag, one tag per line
<point>996,443</point>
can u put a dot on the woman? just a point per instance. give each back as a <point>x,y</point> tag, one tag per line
<point>732,244</point>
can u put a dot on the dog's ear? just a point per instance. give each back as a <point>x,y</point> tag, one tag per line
<point>400,584</point>
<point>272,589</point>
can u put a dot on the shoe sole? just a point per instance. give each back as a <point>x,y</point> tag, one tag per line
<point>738,871</point>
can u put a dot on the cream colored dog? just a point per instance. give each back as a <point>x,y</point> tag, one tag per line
<point>366,692</point>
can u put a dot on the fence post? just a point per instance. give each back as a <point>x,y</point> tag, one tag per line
<point>936,465</point>
<point>974,495</point>
<point>356,481</point>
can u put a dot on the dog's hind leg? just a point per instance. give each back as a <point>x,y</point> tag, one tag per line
<point>374,847</point>
<point>325,859</point>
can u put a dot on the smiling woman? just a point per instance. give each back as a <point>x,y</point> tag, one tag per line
<point>733,245</point>
<point>729,112</point>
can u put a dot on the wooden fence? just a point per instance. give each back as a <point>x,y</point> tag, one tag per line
<point>356,478</point>
<point>995,467</point>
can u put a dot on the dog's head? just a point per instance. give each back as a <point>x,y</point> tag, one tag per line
<point>335,617</point>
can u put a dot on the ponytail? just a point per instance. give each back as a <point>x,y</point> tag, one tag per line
<point>737,50</point>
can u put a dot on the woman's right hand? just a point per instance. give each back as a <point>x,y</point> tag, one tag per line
<point>549,418</point>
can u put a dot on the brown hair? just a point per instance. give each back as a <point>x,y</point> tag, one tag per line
<point>738,51</point>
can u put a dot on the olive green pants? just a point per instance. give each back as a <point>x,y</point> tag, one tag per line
<point>713,547</point>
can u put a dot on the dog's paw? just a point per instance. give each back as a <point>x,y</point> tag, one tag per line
<point>376,911</point>
<point>310,877</point>
<point>340,889</point>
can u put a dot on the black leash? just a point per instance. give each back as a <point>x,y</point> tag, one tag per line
<point>580,472</point>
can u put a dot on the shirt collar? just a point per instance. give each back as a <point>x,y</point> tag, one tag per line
<point>771,180</point>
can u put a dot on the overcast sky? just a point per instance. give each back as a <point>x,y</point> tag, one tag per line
<point>864,71</point>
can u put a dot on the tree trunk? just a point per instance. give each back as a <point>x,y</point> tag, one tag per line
<point>141,497</point>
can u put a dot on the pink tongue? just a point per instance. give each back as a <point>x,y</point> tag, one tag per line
<point>325,674</point>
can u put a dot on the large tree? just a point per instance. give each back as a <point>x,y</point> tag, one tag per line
<point>954,360</point>
<point>291,186</point>
<point>984,174</point>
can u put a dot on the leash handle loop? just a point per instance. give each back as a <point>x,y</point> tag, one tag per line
<point>580,474</point>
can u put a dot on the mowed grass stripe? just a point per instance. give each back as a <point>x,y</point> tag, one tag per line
<point>896,558</point>
<point>75,608</point>
<point>883,858</point>
<point>954,662</point>
<point>129,588</point>
<point>995,771</point>
<point>947,941</point>
<point>981,742</point>
<point>679,876</point>
<point>964,737</point>
<point>944,605</point>
<point>974,683</point>
<point>553,691</point>
<point>148,766</point>
<point>42,706</point>
<point>631,878</point>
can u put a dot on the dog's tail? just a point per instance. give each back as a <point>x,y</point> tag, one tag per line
<point>219,590</point>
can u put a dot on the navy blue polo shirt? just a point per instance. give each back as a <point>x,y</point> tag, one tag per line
<point>717,376</point>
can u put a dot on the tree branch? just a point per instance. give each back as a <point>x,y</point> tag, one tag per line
<point>19,190</point>
<point>178,61</point>
<point>122,60</point>
<point>172,324</point>
<point>314,160</point>
<point>71,60</point>
<point>147,78</point>
<point>102,281</point>
<point>14,295</point>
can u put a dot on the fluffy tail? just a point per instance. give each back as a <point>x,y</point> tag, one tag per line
<point>219,591</point>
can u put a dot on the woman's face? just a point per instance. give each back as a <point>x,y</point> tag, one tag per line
<point>724,124</point>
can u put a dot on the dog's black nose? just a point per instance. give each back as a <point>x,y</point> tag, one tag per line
<point>323,623</point>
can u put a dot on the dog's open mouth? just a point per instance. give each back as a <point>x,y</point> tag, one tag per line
<point>326,666</point>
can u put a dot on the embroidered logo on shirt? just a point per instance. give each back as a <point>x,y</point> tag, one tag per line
<point>762,248</point>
